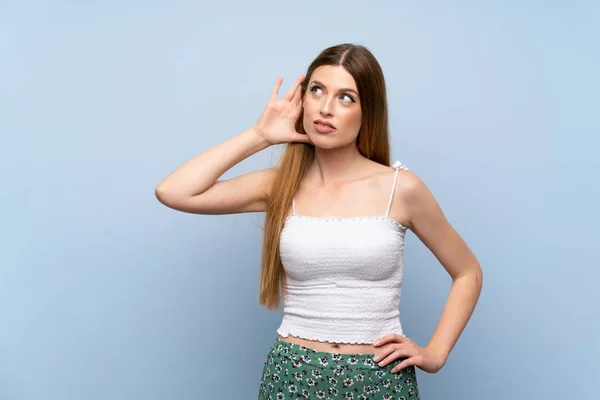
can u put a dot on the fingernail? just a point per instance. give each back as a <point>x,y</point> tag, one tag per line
<point>376,358</point>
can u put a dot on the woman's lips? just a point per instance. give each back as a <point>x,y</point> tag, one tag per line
<point>323,127</point>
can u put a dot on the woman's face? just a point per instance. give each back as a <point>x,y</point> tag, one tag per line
<point>332,112</point>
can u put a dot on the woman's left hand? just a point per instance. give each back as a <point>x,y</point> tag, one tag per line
<point>395,346</point>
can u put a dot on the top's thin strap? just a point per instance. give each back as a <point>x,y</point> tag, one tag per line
<point>293,207</point>
<point>392,193</point>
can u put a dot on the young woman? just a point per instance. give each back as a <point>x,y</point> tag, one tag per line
<point>336,218</point>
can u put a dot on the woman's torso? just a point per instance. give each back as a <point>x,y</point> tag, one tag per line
<point>363,198</point>
<point>343,348</point>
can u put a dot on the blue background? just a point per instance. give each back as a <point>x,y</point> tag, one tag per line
<point>107,294</point>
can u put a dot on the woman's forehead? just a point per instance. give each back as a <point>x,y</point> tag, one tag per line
<point>334,77</point>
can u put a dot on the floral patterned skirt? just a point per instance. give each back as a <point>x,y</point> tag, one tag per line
<point>292,371</point>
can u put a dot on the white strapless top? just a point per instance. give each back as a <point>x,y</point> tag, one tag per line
<point>344,276</point>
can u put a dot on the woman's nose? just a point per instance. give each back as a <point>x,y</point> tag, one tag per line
<point>327,107</point>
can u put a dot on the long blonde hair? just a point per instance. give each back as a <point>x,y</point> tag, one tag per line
<point>372,141</point>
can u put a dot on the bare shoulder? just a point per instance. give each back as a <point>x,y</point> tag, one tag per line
<point>409,185</point>
<point>411,198</point>
<point>419,206</point>
<point>379,172</point>
<point>425,217</point>
<point>385,175</point>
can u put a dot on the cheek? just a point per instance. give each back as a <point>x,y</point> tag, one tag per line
<point>353,119</point>
<point>309,106</point>
<point>309,110</point>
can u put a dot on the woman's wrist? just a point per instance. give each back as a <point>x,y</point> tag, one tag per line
<point>254,140</point>
<point>254,132</point>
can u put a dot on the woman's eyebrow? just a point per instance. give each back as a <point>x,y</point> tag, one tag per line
<point>341,90</point>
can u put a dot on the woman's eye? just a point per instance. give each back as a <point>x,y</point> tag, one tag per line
<point>346,98</point>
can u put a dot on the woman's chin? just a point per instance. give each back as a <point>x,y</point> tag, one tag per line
<point>322,142</point>
<point>327,143</point>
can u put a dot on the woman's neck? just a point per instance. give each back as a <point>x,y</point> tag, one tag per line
<point>331,166</point>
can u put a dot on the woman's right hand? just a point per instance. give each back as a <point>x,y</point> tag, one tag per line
<point>277,122</point>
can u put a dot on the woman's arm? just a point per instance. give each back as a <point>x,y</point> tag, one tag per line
<point>428,222</point>
<point>193,187</point>
<point>430,225</point>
